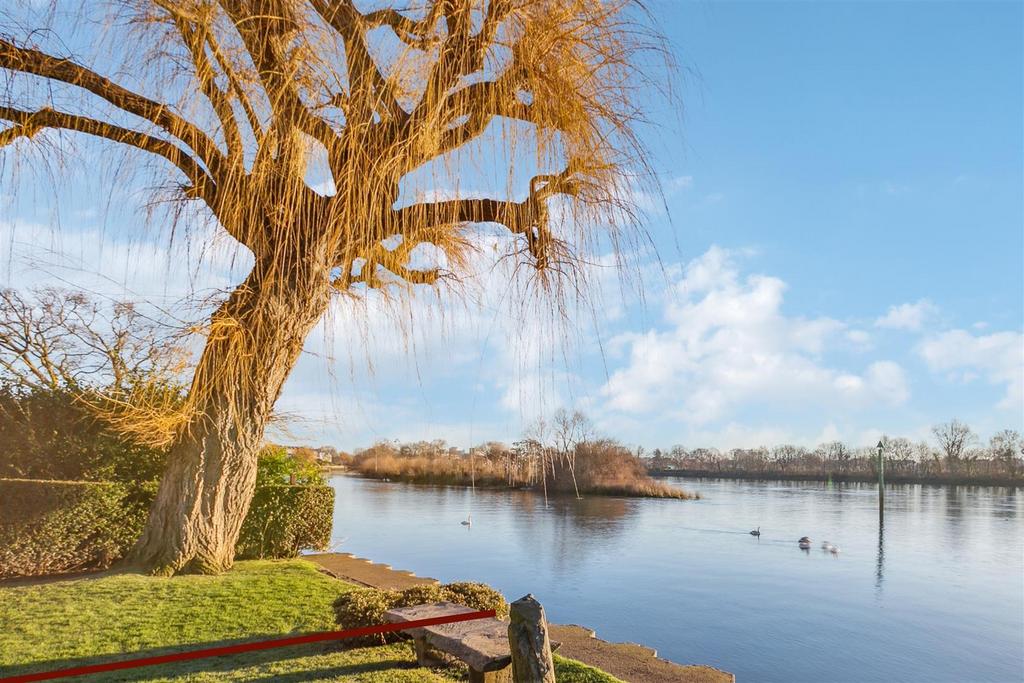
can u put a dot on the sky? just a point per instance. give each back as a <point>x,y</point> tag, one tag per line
<point>840,254</point>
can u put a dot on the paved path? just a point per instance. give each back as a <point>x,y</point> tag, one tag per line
<point>630,662</point>
<point>366,573</point>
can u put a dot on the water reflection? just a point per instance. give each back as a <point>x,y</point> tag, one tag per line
<point>880,559</point>
<point>566,531</point>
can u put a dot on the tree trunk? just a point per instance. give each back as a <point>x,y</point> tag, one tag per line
<point>254,341</point>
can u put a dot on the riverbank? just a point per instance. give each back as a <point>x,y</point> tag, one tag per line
<point>644,489</point>
<point>934,480</point>
<point>108,616</point>
<point>627,661</point>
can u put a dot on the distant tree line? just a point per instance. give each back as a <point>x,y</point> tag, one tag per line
<point>956,455</point>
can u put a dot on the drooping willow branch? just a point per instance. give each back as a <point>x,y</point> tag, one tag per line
<point>266,68</point>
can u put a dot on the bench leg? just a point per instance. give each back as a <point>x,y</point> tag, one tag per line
<point>501,676</point>
<point>423,656</point>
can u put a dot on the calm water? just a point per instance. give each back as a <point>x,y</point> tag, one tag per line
<point>938,595</point>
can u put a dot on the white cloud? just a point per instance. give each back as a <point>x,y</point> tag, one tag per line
<point>860,339</point>
<point>728,345</point>
<point>682,182</point>
<point>653,201</point>
<point>137,267</point>
<point>726,365</point>
<point>888,381</point>
<point>491,342</point>
<point>999,357</point>
<point>909,316</point>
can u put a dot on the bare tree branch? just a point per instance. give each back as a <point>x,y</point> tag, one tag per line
<point>262,32</point>
<point>31,61</point>
<point>196,36</point>
<point>28,124</point>
<point>369,91</point>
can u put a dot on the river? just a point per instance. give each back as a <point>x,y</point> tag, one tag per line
<point>935,594</point>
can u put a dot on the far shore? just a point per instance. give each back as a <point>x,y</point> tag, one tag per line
<point>658,491</point>
<point>931,480</point>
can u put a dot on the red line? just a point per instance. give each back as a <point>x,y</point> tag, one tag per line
<point>246,647</point>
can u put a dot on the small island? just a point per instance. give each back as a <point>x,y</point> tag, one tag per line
<point>559,458</point>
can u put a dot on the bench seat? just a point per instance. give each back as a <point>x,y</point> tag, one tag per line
<point>482,643</point>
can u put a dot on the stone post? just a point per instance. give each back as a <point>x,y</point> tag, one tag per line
<point>528,640</point>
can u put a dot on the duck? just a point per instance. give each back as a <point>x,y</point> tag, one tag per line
<point>468,521</point>
<point>834,550</point>
<point>756,532</point>
<point>825,545</point>
<point>804,542</point>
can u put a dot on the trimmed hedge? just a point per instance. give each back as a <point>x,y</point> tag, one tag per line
<point>367,607</point>
<point>284,519</point>
<point>52,527</point>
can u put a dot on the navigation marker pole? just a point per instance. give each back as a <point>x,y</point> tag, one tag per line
<point>881,483</point>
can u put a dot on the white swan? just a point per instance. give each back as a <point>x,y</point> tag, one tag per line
<point>468,521</point>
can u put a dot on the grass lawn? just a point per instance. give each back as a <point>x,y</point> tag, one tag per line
<point>87,621</point>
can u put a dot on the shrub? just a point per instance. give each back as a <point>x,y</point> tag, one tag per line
<point>52,435</point>
<point>367,607</point>
<point>49,527</point>
<point>283,520</point>
<point>477,596</point>
<point>276,466</point>
<point>420,595</point>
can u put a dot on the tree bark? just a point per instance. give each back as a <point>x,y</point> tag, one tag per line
<point>254,340</point>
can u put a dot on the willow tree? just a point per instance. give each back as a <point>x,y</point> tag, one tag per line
<point>267,88</point>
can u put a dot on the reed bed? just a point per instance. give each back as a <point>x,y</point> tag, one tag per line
<point>601,467</point>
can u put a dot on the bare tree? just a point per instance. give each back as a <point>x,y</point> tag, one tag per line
<point>73,372</point>
<point>538,437</point>
<point>57,340</point>
<point>245,95</point>
<point>955,439</point>
<point>570,429</point>
<point>836,451</point>
<point>1007,447</point>
<point>898,448</point>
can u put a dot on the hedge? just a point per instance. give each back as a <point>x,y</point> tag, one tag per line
<point>51,527</point>
<point>283,520</point>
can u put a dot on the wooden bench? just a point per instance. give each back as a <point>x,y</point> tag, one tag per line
<point>482,643</point>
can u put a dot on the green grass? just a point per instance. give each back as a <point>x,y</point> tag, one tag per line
<point>569,670</point>
<point>91,620</point>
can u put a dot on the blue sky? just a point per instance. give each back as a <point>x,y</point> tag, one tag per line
<point>843,254</point>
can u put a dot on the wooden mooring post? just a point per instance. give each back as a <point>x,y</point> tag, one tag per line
<point>529,642</point>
